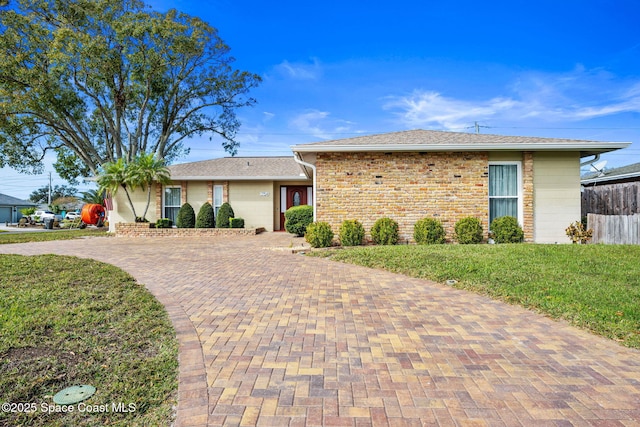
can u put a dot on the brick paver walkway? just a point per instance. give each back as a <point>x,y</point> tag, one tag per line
<point>270,338</point>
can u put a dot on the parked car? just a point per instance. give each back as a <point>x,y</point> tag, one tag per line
<point>41,215</point>
<point>72,215</point>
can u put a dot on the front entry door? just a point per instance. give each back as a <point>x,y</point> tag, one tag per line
<point>295,196</point>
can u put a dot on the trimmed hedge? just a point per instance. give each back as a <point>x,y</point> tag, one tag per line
<point>319,234</point>
<point>506,230</point>
<point>468,230</point>
<point>224,213</point>
<point>186,217</point>
<point>205,217</point>
<point>351,233</point>
<point>385,232</point>
<point>428,231</point>
<point>164,223</point>
<point>297,218</point>
<point>236,222</point>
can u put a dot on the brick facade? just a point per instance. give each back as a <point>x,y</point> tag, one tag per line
<point>527,196</point>
<point>402,186</point>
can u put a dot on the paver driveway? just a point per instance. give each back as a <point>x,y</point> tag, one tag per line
<point>272,338</point>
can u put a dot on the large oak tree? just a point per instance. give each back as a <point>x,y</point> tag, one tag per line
<point>102,80</point>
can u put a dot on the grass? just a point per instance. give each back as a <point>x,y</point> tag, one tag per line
<point>42,236</point>
<point>68,321</point>
<point>594,287</point>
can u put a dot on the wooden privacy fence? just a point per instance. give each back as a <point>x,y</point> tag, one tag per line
<point>612,199</point>
<point>615,229</point>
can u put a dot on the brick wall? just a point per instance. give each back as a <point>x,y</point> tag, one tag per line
<point>143,230</point>
<point>527,196</point>
<point>402,186</point>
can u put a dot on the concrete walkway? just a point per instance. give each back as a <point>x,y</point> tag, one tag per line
<point>269,338</point>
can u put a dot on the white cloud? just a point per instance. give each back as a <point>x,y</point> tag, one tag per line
<point>300,71</point>
<point>320,124</point>
<point>575,96</point>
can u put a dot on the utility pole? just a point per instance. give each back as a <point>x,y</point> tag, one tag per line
<point>49,202</point>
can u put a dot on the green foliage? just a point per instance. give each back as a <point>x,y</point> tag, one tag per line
<point>101,80</point>
<point>385,232</point>
<point>205,217</point>
<point>164,223</point>
<point>319,235</point>
<point>94,196</point>
<point>186,217</point>
<point>428,231</point>
<point>468,230</point>
<point>142,172</point>
<point>41,195</point>
<point>236,222</point>
<point>297,218</point>
<point>28,211</point>
<point>224,214</point>
<point>506,229</point>
<point>578,233</point>
<point>351,233</point>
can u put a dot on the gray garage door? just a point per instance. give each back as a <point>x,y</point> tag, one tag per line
<point>5,214</point>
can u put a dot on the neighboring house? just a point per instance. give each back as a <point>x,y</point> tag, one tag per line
<point>403,175</point>
<point>259,189</point>
<point>415,174</point>
<point>612,192</point>
<point>10,208</point>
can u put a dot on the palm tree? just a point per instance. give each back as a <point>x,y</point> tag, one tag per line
<point>145,171</point>
<point>141,173</point>
<point>117,175</point>
<point>94,196</point>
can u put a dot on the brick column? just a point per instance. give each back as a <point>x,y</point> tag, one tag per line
<point>183,192</point>
<point>158,200</point>
<point>527,196</point>
<point>210,192</point>
<point>225,192</point>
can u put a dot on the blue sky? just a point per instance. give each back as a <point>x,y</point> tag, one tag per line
<point>337,69</point>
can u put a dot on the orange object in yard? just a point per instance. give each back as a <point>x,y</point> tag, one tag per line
<point>92,214</point>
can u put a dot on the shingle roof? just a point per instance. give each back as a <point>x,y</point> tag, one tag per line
<point>624,172</point>
<point>14,201</point>
<point>239,168</point>
<point>430,140</point>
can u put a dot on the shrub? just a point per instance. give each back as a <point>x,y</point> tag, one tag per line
<point>468,230</point>
<point>224,213</point>
<point>164,223</point>
<point>428,231</point>
<point>236,222</point>
<point>319,234</point>
<point>205,217</point>
<point>351,233</point>
<point>385,232</point>
<point>297,218</point>
<point>186,217</point>
<point>578,233</point>
<point>506,230</point>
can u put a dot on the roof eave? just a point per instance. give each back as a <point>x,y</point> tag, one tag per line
<point>610,178</point>
<point>239,178</point>
<point>585,148</point>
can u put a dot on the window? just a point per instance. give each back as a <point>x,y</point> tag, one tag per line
<point>505,194</point>
<point>172,198</point>
<point>217,198</point>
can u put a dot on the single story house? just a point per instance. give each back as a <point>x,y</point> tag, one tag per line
<point>10,208</point>
<point>403,175</point>
<point>259,189</point>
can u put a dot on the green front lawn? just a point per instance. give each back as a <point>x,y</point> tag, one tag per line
<point>68,321</point>
<point>43,236</point>
<point>595,287</point>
